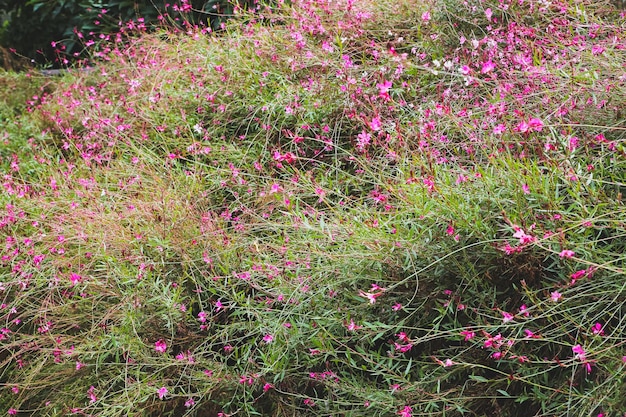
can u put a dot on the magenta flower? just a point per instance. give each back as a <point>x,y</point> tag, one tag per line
<point>597,329</point>
<point>468,335</point>
<point>160,346</point>
<point>507,317</point>
<point>268,338</point>
<point>375,124</point>
<point>488,66</point>
<point>555,296</point>
<point>581,355</point>
<point>162,392</point>
<point>567,253</point>
<point>535,124</point>
<point>405,412</point>
<point>488,14</point>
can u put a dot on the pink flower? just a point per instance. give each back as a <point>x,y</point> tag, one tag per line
<point>555,296</point>
<point>507,317</point>
<point>92,396</point>
<point>75,278</point>
<point>426,17</point>
<point>535,124</point>
<point>383,89</point>
<point>579,351</point>
<point>202,317</point>
<point>597,49</point>
<point>567,253</point>
<point>530,334</point>
<point>160,346</point>
<point>405,412</point>
<point>370,296</point>
<point>375,124</point>
<point>190,402</point>
<point>352,326</point>
<point>162,392</point>
<point>488,14</point>
<point>267,387</point>
<point>523,309</point>
<point>363,140</point>
<point>12,412</point>
<point>578,275</point>
<point>468,334</point>
<point>597,329</point>
<point>268,338</point>
<point>522,236</point>
<point>522,127</point>
<point>488,66</point>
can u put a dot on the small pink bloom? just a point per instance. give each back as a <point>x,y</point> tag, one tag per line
<point>523,237</point>
<point>597,329</point>
<point>352,326</point>
<point>468,334</point>
<point>405,412</point>
<point>488,66</point>
<point>267,387</point>
<point>92,396</point>
<point>268,338</point>
<point>578,275</point>
<point>567,253</point>
<point>535,124</point>
<point>162,392</point>
<point>12,412</point>
<point>579,351</point>
<point>488,14</point>
<point>375,124</point>
<point>370,296</point>
<point>507,317</point>
<point>524,310</point>
<point>555,296</point>
<point>447,363</point>
<point>202,317</point>
<point>190,402</point>
<point>426,17</point>
<point>522,127</point>
<point>160,346</point>
<point>75,278</point>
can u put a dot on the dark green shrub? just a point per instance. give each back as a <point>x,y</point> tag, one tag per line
<point>57,31</point>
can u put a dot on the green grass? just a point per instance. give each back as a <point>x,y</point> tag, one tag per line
<point>232,197</point>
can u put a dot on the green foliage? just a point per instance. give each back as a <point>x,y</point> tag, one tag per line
<point>32,27</point>
<point>313,216</point>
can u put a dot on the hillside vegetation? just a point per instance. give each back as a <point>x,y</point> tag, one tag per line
<point>329,208</point>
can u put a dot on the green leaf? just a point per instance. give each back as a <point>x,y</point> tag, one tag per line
<point>503,392</point>
<point>478,378</point>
